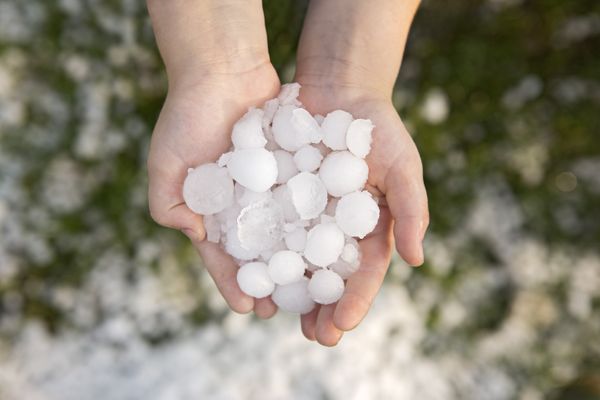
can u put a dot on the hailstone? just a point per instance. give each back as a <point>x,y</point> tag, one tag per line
<point>357,214</point>
<point>309,195</point>
<point>325,286</point>
<point>254,280</point>
<point>283,196</point>
<point>208,189</point>
<point>247,132</point>
<point>260,225</point>
<point>293,297</point>
<point>284,132</point>
<point>255,169</point>
<point>358,138</point>
<point>296,239</point>
<point>286,267</point>
<point>342,173</point>
<point>334,128</point>
<point>304,123</point>
<point>324,244</point>
<point>307,158</point>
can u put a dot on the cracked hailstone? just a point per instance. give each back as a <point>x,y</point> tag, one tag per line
<point>260,225</point>
<point>248,133</point>
<point>293,297</point>
<point>302,121</point>
<point>286,136</point>
<point>357,213</point>
<point>255,169</point>
<point>325,286</point>
<point>342,173</point>
<point>309,195</point>
<point>208,189</point>
<point>359,137</point>
<point>254,280</point>
<point>334,128</point>
<point>286,267</point>
<point>324,244</point>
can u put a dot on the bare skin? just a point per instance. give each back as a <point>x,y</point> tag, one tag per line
<point>348,58</point>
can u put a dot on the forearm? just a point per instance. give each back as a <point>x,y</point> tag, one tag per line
<point>355,43</point>
<point>200,37</point>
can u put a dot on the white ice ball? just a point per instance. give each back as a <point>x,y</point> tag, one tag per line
<point>260,225</point>
<point>324,244</point>
<point>247,132</point>
<point>234,248</point>
<point>359,137</point>
<point>342,173</point>
<point>334,128</point>
<point>308,158</point>
<point>304,123</point>
<point>283,196</point>
<point>325,286</point>
<point>255,169</point>
<point>208,189</point>
<point>286,267</point>
<point>284,132</point>
<point>293,297</point>
<point>286,165</point>
<point>254,280</point>
<point>296,239</point>
<point>309,195</point>
<point>357,214</point>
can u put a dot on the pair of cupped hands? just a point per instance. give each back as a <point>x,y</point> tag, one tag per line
<point>194,127</point>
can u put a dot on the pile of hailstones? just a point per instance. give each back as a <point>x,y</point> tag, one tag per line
<point>287,202</point>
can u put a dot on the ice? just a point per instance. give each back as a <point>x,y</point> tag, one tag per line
<point>343,173</point>
<point>325,286</point>
<point>247,132</point>
<point>224,159</point>
<point>254,280</point>
<point>309,195</point>
<point>286,167</point>
<point>357,214</point>
<point>344,269</point>
<point>208,189</point>
<point>359,138</point>
<point>293,297</point>
<point>350,252</point>
<point>283,196</point>
<point>267,254</point>
<point>324,244</point>
<point>213,228</point>
<point>334,128</point>
<point>296,239</point>
<point>307,158</point>
<point>260,225</point>
<point>255,169</point>
<point>270,108</point>
<point>283,130</point>
<point>234,248</point>
<point>245,196</point>
<point>289,94</point>
<point>286,267</point>
<point>303,122</point>
<point>228,217</point>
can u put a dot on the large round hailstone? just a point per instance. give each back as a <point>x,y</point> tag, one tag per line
<point>234,248</point>
<point>286,167</point>
<point>296,239</point>
<point>359,137</point>
<point>357,213</point>
<point>324,244</point>
<point>293,297</point>
<point>305,124</point>
<point>308,158</point>
<point>255,169</point>
<point>325,286</point>
<point>254,280</point>
<point>343,173</point>
<point>208,189</point>
<point>286,267</point>
<point>247,132</point>
<point>260,225</point>
<point>283,130</point>
<point>309,195</point>
<point>283,196</point>
<point>334,128</point>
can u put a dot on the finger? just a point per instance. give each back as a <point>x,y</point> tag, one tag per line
<point>407,200</point>
<point>326,332</point>
<point>363,285</point>
<point>264,308</point>
<point>165,198</point>
<point>223,269</point>
<point>308,323</point>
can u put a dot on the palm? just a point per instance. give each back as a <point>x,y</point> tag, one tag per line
<point>394,171</point>
<point>194,128</point>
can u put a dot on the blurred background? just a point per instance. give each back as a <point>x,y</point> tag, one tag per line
<point>98,302</point>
